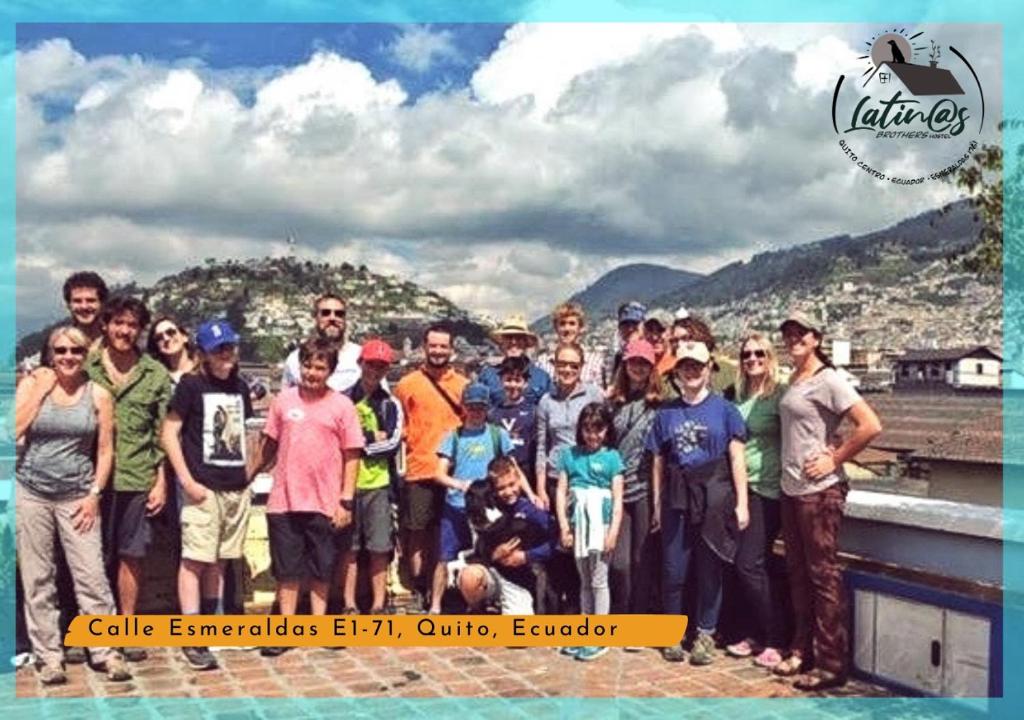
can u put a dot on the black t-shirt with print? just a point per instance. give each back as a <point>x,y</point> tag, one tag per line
<point>213,414</point>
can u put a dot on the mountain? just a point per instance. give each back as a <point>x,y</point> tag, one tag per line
<point>270,300</point>
<point>639,281</point>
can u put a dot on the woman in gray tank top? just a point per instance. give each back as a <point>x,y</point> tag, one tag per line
<point>67,424</point>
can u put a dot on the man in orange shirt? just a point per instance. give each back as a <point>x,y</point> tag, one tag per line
<point>430,398</point>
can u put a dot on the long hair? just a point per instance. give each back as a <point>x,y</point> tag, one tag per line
<point>771,363</point>
<point>596,415</point>
<point>653,393</point>
<point>203,370</point>
<point>153,346</point>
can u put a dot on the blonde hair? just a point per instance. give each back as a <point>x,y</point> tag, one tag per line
<point>771,367</point>
<point>72,333</point>
<point>568,309</point>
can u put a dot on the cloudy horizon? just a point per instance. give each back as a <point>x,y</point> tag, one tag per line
<point>504,167</point>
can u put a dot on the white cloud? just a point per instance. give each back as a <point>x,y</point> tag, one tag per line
<point>418,48</point>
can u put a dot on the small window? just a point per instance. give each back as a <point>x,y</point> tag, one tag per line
<point>979,368</point>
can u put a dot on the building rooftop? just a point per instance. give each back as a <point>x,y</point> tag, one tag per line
<point>948,354</point>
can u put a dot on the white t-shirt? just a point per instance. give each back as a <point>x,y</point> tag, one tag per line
<point>345,375</point>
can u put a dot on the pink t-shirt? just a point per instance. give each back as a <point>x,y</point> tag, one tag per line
<point>310,437</point>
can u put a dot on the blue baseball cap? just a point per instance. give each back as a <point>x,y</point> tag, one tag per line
<point>214,333</point>
<point>632,312</point>
<point>476,394</point>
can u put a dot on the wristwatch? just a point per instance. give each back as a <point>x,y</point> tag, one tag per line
<point>347,504</point>
<point>95,490</point>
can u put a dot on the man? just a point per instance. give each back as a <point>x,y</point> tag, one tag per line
<point>514,338</point>
<point>84,295</point>
<point>631,318</point>
<point>656,331</point>
<point>430,403</point>
<point>569,322</point>
<point>141,388</point>
<point>331,324</point>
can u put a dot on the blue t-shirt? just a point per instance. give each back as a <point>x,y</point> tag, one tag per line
<point>692,435</point>
<point>471,451</point>
<point>519,422</point>
<point>590,469</point>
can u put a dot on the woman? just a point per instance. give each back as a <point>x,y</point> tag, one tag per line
<point>635,395</point>
<point>757,394</point>
<point>63,417</point>
<point>557,415</point>
<point>169,343</point>
<point>814,490</point>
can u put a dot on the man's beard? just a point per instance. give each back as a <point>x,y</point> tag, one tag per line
<point>340,338</point>
<point>433,362</point>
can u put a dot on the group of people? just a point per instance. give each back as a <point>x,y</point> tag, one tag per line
<point>608,475</point>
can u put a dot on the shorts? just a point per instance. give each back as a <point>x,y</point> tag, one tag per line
<point>455,533</point>
<point>130,529</point>
<point>514,599</point>
<point>371,522</point>
<point>214,529</point>
<point>420,504</point>
<point>302,545</point>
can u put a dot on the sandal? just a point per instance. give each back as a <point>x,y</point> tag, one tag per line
<point>741,649</point>
<point>790,666</point>
<point>817,680</point>
<point>769,658</point>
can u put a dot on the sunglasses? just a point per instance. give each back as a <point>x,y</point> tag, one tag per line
<point>747,354</point>
<point>166,334</point>
<point>567,364</point>
<point>72,350</point>
<point>328,312</point>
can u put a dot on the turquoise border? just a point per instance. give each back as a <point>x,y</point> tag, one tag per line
<point>866,11</point>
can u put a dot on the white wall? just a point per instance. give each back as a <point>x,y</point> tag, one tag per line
<point>965,373</point>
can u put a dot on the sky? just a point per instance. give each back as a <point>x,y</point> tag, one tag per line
<point>504,166</point>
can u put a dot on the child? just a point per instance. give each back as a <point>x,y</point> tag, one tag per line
<point>592,472</point>
<point>516,416</point>
<point>380,417</point>
<point>313,433</point>
<point>699,493</point>
<point>204,437</point>
<point>464,455</point>
<point>510,579</point>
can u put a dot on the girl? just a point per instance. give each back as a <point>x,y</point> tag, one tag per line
<point>699,491</point>
<point>169,343</point>
<point>592,472</point>
<point>814,491</point>
<point>635,395</point>
<point>62,417</point>
<point>756,393</point>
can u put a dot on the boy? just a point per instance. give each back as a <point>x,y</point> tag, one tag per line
<point>516,416</point>
<point>510,580</point>
<point>380,417</point>
<point>315,437</point>
<point>464,455</point>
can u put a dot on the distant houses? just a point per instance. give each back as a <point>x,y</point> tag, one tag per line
<point>967,368</point>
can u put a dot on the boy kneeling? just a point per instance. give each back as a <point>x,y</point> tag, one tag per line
<point>525,535</point>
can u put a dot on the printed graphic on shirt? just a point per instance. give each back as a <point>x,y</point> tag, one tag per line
<point>690,436</point>
<point>295,414</point>
<point>511,426</point>
<point>223,430</point>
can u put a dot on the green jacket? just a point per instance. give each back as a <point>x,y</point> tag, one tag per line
<point>139,409</point>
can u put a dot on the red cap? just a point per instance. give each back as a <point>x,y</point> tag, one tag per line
<point>639,348</point>
<point>376,350</point>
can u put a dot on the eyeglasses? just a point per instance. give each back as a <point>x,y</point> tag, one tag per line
<point>328,312</point>
<point>747,354</point>
<point>567,364</point>
<point>66,349</point>
<point>166,334</point>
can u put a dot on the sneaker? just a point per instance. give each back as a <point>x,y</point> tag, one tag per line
<point>199,658</point>
<point>117,669</point>
<point>675,653</point>
<point>273,651</point>
<point>586,654</point>
<point>741,649</point>
<point>75,655</point>
<point>134,654</point>
<point>703,652</point>
<point>52,674</point>
<point>569,651</point>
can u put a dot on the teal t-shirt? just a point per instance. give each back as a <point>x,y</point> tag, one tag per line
<point>763,450</point>
<point>472,451</point>
<point>590,469</point>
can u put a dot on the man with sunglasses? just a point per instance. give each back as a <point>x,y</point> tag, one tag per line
<point>330,312</point>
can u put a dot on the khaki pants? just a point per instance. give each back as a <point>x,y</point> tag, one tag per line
<point>40,523</point>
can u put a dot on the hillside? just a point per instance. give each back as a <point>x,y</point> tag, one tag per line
<point>270,301</point>
<point>639,281</point>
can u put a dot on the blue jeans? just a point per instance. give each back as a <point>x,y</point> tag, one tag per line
<point>677,542</point>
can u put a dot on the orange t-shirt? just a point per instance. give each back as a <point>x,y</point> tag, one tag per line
<point>666,364</point>
<point>428,417</point>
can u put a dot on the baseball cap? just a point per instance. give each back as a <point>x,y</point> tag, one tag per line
<point>639,349</point>
<point>804,320</point>
<point>214,333</point>
<point>376,350</point>
<point>476,394</point>
<point>659,318</point>
<point>691,350</point>
<point>632,312</point>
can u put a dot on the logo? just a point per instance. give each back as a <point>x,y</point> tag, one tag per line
<point>915,113</point>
